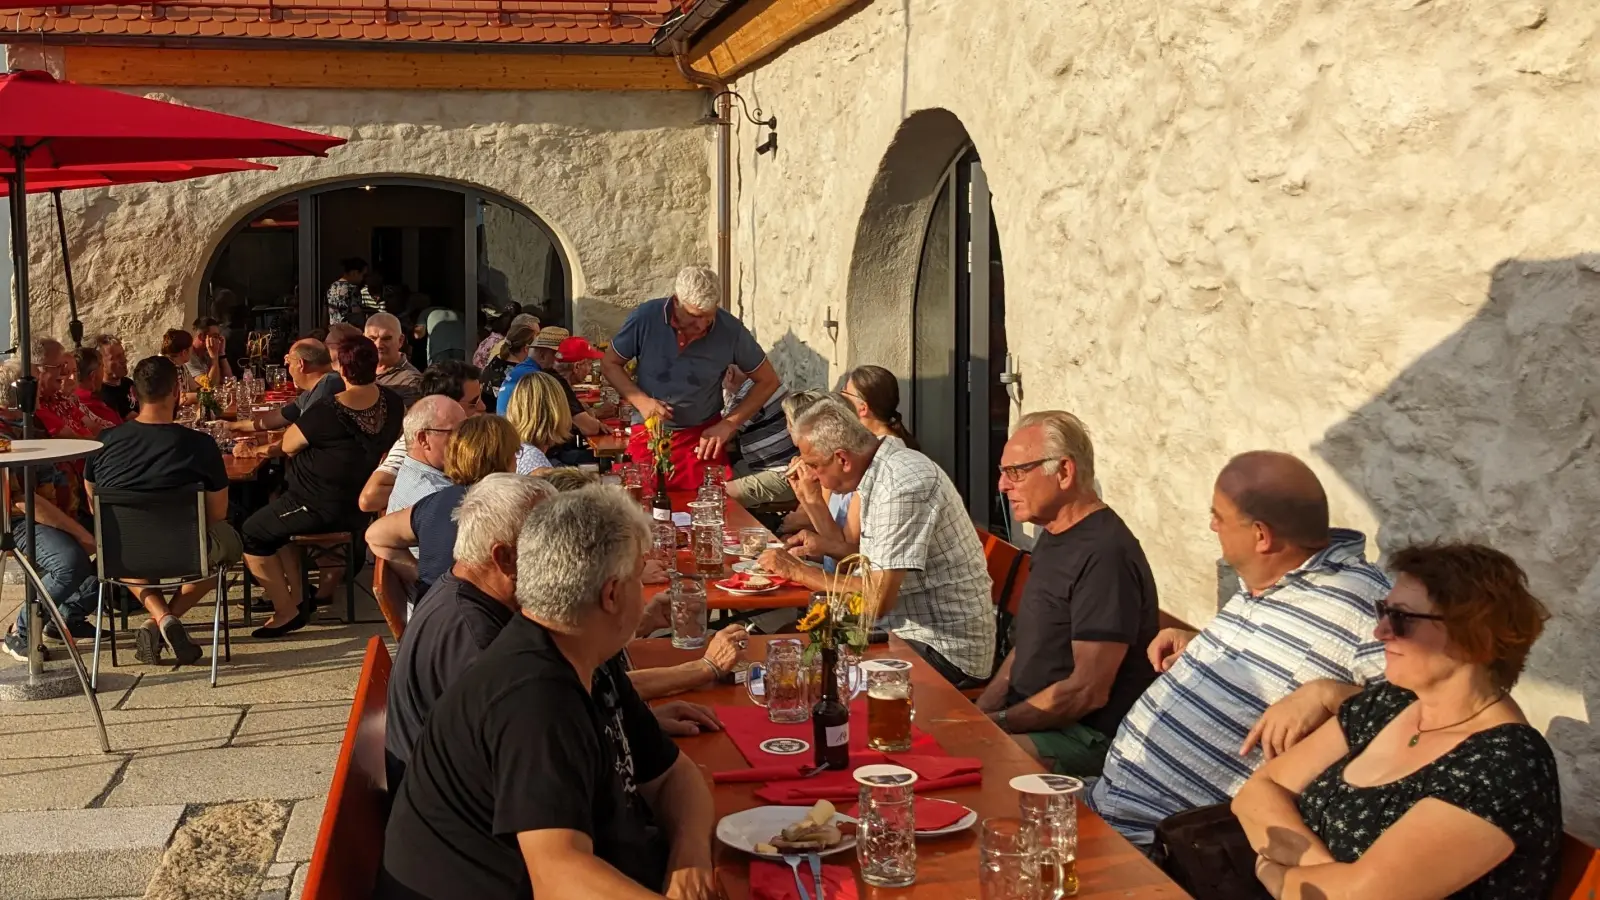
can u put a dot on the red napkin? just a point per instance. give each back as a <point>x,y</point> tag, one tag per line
<point>748,726</point>
<point>775,881</point>
<point>791,771</point>
<point>932,814</point>
<point>842,786</point>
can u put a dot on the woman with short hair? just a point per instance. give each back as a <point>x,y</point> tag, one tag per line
<point>1431,783</point>
<point>330,449</point>
<point>538,411</point>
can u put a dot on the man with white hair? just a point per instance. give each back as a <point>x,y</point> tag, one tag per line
<point>540,772</point>
<point>1088,611</point>
<point>931,586</point>
<point>427,429</point>
<point>683,344</point>
<point>395,370</point>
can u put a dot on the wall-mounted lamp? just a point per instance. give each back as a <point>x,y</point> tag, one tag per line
<point>771,122</point>
<point>831,325</point>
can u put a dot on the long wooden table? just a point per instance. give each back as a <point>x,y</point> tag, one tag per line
<point>736,517</point>
<point>947,867</point>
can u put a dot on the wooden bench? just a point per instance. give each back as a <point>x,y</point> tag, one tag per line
<point>1580,872</point>
<point>390,594</point>
<point>349,848</point>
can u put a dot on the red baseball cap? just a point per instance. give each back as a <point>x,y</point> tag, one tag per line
<point>575,348</point>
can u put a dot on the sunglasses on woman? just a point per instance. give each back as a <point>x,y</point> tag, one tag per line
<point>1400,619</point>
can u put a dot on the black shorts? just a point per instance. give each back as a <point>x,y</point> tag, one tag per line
<point>268,529</point>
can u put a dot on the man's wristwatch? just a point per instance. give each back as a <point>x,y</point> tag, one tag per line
<point>1000,719</point>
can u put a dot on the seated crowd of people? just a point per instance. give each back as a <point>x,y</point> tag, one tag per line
<point>1353,720</point>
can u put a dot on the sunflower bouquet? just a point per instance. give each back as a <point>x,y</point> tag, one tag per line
<point>206,397</point>
<point>842,616</point>
<point>660,446</point>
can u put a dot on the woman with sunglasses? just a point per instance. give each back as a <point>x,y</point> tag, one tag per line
<point>1431,784</point>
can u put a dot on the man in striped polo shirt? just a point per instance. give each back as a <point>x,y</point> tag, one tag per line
<point>763,443</point>
<point>1276,662</point>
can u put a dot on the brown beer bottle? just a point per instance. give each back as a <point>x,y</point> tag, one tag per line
<point>830,719</point>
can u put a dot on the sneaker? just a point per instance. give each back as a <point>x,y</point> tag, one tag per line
<point>178,641</point>
<point>82,630</point>
<point>17,647</point>
<point>147,644</point>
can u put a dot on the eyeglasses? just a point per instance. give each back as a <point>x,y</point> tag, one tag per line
<point>440,430</point>
<point>1400,619</point>
<point>1020,470</point>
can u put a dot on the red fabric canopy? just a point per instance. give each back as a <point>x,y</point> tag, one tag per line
<point>71,179</point>
<point>62,124</point>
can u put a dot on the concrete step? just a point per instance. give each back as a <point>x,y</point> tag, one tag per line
<point>72,853</point>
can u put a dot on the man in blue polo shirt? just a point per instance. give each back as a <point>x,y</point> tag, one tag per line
<point>683,345</point>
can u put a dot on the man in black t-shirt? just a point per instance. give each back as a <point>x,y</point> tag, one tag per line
<point>116,391</point>
<point>1088,608</point>
<point>150,453</point>
<point>537,775</point>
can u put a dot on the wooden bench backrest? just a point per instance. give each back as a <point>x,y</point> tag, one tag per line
<point>349,848</point>
<point>1004,562</point>
<point>391,598</point>
<point>1580,872</point>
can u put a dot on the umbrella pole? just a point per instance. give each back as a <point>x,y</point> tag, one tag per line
<point>74,327</point>
<point>27,387</point>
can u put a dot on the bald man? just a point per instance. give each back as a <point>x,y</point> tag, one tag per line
<point>1289,646</point>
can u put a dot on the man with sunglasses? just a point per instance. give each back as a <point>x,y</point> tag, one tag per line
<point>427,429</point>
<point>1292,643</point>
<point>1088,609</point>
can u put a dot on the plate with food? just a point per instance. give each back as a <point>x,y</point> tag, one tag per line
<point>749,567</point>
<point>771,831</point>
<point>749,583</point>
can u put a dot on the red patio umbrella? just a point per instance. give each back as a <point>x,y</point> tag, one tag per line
<point>78,177</point>
<point>46,123</point>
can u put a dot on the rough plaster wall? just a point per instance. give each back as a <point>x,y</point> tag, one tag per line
<point>1350,231</point>
<point>621,178</point>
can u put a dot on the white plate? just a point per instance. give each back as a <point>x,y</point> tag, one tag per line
<point>744,830</point>
<point>749,566</point>
<point>745,592</point>
<point>738,549</point>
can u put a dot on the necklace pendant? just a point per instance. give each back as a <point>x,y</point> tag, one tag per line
<point>1414,738</point>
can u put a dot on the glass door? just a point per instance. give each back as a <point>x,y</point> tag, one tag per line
<point>960,408</point>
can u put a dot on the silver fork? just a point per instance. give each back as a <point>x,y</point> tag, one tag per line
<point>794,865</point>
<point>816,872</point>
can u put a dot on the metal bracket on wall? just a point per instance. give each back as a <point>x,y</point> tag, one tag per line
<point>1012,379</point>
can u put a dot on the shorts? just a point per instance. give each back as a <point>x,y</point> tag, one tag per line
<point>226,547</point>
<point>762,488</point>
<point>269,528</point>
<point>1074,750</point>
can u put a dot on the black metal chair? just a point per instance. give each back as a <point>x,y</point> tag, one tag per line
<point>160,540</point>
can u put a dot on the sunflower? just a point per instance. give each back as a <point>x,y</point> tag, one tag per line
<point>855,604</point>
<point>814,616</point>
<point>204,382</point>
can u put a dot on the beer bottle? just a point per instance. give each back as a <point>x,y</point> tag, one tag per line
<point>660,506</point>
<point>830,719</point>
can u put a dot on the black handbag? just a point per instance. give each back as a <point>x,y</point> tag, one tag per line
<point>1207,853</point>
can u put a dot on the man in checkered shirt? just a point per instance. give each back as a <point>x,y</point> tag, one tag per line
<point>934,592</point>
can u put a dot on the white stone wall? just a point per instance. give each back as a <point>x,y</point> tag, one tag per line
<point>621,178</point>
<point>1355,232</point>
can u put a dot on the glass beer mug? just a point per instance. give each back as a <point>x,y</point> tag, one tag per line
<point>779,684</point>
<point>889,709</point>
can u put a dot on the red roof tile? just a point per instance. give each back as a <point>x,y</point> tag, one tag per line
<point>567,22</point>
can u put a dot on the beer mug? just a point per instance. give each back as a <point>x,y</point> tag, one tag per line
<point>1049,808</point>
<point>886,833</point>
<point>779,683</point>
<point>889,708</point>
<point>688,608</point>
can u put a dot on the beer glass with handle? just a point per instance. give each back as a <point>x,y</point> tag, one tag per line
<point>889,709</point>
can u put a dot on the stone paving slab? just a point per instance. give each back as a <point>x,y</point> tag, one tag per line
<point>113,684</point>
<point>82,852</point>
<point>232,773</point>
<point>70,783</point>
<point>301,836</point>
<point>154,731</point>
<point>321,666</point>
<point>280,724</point>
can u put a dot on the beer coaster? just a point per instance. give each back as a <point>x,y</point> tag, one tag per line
<point>885,776</point>
<point>1046,784</point>
<point>784,746</point>
<point>885,665</point>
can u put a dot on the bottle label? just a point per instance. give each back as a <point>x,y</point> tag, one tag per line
<point>837,735</point>
<point>662,515</point>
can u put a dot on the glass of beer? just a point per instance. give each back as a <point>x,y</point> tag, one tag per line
<point>779,683</point>
<point>689,624</point>
<point>1049,805</point>
<point>705,537</point>
<point>889,707</point>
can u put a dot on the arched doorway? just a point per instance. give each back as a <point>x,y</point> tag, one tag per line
<point>429,244</point>
<point>960,361</point>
